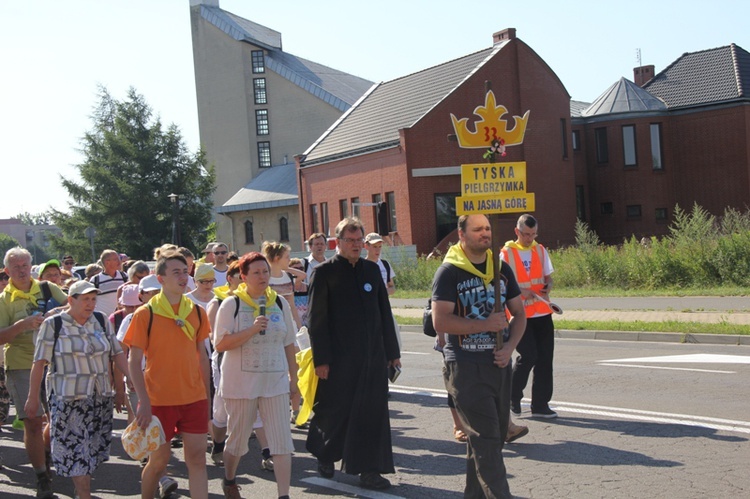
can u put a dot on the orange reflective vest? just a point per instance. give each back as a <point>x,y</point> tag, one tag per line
<point>532,280</point>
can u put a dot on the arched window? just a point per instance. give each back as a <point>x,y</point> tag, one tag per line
<point>283,229</point>
<point>249,238</point>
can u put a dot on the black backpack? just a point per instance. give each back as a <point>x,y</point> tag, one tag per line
<point>427,327</point>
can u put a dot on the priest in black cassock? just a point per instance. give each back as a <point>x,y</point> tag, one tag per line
<point>353,343</point>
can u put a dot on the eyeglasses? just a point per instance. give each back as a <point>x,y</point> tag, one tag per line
<point>206,281</point>
<point>220,252</point>
<point>351,240</point>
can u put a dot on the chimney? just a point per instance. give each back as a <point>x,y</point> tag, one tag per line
<point>506,34</point>
<point>643,74</point>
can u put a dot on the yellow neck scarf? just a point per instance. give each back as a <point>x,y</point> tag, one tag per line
<point>16,294</point>
<point>161,306</point>
<point>457,257</point>
<point>241,292</point>
<point>222,292</point>
<point>515,245</point>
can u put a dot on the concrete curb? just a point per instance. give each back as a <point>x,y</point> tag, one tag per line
<point>704,339</point>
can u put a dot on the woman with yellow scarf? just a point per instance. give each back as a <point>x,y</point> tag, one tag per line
<point>255,330</point>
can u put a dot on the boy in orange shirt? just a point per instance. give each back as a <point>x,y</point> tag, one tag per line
<point>170,331</point>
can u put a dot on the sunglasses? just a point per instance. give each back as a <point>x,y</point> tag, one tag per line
<point>220,252</point>
<point>206,281</point>
<point>5,278</point>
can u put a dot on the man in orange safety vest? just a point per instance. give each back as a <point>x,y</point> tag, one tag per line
<point>533,270</point>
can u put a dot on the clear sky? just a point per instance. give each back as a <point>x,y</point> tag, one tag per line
<point>55,53</point>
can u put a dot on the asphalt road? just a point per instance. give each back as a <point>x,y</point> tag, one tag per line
<point>637,419</point>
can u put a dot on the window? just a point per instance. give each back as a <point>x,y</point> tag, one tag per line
<point>661,214</point>
<point>314,217</point>
<point>656,159</point>
<point>576,140</point>
<point>445,214</point>
<point>580,205</point>
<point>607,208</point>
<point>249,237</point>
<point>283,228</point>
<point>602,151</point>
<point>324,214</point>
<point>376,198</point>
<point>259,64</point>
<point>259,90</point>
<point>264,154</point>
<point>633,211</point>
<point>261,121</point>
<point>628,145</point>
<point>344,208</point>
<point>391,200</point>
<point>564,133</point>
<point>355,207</point>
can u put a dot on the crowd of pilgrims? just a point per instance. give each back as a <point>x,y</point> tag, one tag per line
<point>116,287</point>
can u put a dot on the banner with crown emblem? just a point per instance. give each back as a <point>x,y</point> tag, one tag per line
<point>492,188</point>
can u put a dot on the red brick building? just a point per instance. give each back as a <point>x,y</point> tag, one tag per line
<point>679,139</point>
<point>620,163</point>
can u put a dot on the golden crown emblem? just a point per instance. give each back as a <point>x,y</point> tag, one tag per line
<point>490,127</point>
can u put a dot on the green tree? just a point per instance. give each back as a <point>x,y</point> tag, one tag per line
<point>7,242</point>
<point>27,218</point>
<point>131,167</point>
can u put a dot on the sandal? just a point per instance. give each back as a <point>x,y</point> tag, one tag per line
<point>459,435</point>
<point>515,432</point>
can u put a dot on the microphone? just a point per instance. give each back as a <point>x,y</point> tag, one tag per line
<point>262,305</point>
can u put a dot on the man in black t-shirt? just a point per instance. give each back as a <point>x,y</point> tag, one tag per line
<point>477,373</point>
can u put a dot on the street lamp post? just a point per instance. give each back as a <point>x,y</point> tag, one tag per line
<point>176,238</point>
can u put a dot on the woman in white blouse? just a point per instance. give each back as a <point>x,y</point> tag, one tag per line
<point>258,370</point>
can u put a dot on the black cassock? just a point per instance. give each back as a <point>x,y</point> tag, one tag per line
<point>351,329</point>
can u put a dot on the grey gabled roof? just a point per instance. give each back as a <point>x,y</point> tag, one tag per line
<point>337,88</point>
<point>576,107</point>
<point>373,123</point>
<point>706,77</point>
<point>242,29</point>
<point>623,96</point>
<point>272,188</point>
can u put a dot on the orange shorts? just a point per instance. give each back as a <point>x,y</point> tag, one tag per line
<point>189,418</point>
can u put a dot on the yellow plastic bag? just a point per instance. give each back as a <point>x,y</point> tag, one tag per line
<point>307,382</point>
<point>140,443</point>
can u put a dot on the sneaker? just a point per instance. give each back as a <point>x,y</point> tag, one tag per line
<point>167,485</point>
<point>43,487</point>
<point>373,481</point>
<point>515,407</point>
<point>231,491</point>
<point>217,458</point>
<point>325,469</point>
<point>266,463</point>
<point>217,453</point>
<point>545,413</point>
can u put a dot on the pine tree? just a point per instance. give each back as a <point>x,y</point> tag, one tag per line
<point>131,167</point>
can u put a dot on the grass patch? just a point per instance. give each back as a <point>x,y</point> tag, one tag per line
<point>656,327</point>
<point>616,325</point>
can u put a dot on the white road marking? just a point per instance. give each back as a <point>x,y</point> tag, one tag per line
<point>349,489</point>
<point>696,358</point>
<point>607,363</point>
<point>613,412</point>
<point>416,353</point>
